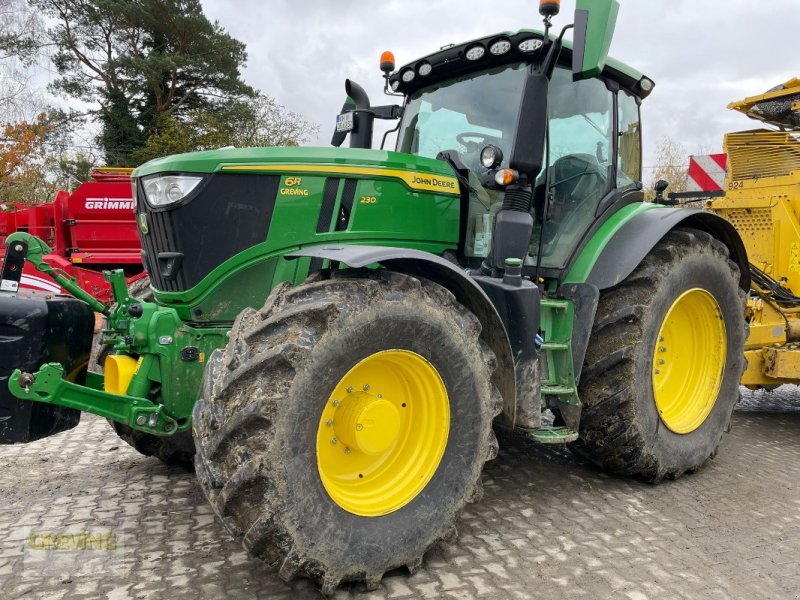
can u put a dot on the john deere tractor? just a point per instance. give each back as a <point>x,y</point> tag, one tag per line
<point>336,331</point>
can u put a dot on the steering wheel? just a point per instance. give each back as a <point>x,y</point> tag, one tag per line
<point>462,138</point>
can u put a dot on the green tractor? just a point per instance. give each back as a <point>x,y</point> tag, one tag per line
<point>335,332</point>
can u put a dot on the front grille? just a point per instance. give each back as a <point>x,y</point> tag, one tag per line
<point>231,213</point>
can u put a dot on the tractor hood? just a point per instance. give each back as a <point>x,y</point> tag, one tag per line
<point>203,215</point>
<point>327,160</point>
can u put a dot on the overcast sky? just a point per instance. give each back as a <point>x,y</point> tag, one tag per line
<point>702,54</point>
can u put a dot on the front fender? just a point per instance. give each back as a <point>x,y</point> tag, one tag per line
<point>446,274</point>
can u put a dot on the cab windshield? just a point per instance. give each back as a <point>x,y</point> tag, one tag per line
<point>464,115</point>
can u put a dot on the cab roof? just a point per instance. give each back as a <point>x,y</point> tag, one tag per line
<point>451,61</point>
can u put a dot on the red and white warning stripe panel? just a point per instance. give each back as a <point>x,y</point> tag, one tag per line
<point>40,284</point>
<point>707,173</point>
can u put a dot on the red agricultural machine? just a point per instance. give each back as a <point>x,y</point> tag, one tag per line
<point>89,230</point>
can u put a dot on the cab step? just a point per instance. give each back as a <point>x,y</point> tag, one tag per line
<point>556,346</point>
<point>553,435</point>
<point>557,390</point>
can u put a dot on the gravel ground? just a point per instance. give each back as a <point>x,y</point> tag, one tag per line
<point>548,526</point>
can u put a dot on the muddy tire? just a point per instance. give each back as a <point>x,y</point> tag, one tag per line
<point>661,375</point>
<point>176,450</point>
<point>272,421</point>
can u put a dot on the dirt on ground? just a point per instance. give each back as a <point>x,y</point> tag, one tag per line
<point>548,526</point>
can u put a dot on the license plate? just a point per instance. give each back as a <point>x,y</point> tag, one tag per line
<point>344,122</point>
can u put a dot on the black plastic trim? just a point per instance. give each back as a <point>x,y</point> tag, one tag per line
<point>346,208</point>
<point>451,62</point>
<point>585,297</point>
<point>579,47</point>
<point>230,214</point>
<point>328,204</point>
<point>639,235</point>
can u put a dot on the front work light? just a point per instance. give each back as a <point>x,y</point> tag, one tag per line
<point>491,156</point>
<point>163,190</point>
<point>500,47</point>
<point>530,45</point>
<point>475,53</point>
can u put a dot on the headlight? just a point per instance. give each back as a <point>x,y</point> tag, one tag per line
<point>491,156</point>
<point>163,190</point>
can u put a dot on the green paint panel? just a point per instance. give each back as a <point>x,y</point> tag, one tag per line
<point>212,161</point>
<point>588,257</point>
<point>295,217</point>
<point>602,18</point>
<point>557,320</point>
<point>385,209</point>
<point>254,281</point>
<point>388,208</point>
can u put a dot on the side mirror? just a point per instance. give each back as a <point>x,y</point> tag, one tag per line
<point>528,154</point>
<point>595,21</point>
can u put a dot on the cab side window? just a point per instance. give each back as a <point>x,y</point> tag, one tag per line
<point>581,130</point>
<point>629,161</point>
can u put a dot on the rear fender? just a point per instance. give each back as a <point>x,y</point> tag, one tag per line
<point>628,246</point>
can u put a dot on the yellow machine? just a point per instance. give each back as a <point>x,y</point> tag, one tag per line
<point>762,200</point>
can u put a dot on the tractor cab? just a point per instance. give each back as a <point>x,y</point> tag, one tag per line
<point>592,150</point>
<point>530,125</point>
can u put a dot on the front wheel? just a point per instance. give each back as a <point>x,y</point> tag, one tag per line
<point>665,358</point>
<point>345,426</point>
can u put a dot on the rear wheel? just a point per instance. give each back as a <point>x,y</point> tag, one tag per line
<point>346,424</point>
<point>665,358</point>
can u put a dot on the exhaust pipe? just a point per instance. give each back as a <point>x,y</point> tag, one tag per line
<point>363,119</point>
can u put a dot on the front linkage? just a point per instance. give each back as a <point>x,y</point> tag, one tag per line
<point>158,359</point>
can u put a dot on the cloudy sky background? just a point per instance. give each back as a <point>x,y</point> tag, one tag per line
<point>702,54</point>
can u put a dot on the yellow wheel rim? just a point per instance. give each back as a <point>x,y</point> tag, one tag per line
<point>383,433</point>
<point>689,361</point>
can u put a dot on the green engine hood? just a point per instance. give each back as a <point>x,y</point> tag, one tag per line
<point>418,173</point>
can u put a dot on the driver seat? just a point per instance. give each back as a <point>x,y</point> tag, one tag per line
<point>577,177</point>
